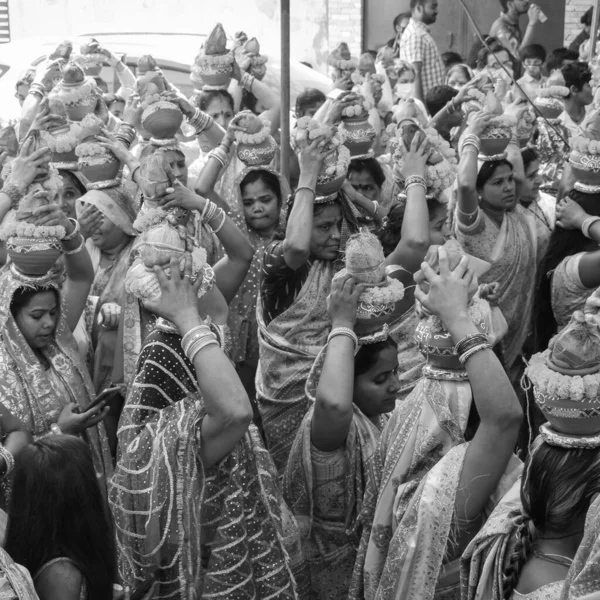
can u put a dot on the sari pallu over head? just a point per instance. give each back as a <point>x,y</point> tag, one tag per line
<point>242,309</point>
<point>408,513</point>
<point>289,345</point>
<point>36,395</point>
<point>109,281</point>
<point>330,547</point>
<point>137,322</point>
<point>213,534</point>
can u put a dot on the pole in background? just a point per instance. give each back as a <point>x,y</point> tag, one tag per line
<point>285,88</point>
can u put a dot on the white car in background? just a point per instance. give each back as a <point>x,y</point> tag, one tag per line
<point>173,52</point>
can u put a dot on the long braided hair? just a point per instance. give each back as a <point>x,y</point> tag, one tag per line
<point>557,488</point>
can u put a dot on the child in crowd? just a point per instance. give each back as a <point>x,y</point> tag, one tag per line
<point>533,58</point>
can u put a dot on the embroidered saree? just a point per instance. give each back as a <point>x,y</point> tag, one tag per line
<point>482,563</point>
<point>326,500</point>
<point>15,580</point>
<point>289,345</point>
<point>584,574</point>
<point>511,250</point>
<point>242,309</point>
<point>37,395</point>
<point>109,280</point>
<point>408,512</point>
<point>220,533</point>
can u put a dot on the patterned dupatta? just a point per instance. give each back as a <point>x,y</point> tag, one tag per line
<point>222,533</point>
<point>482,563</point>
<point>36,395</point>
<point>242,309</point>
<point>137,322</point>
<point>409,511</point>
<point>289,345</point>
<point>513,261</point>
<point>584,574</point>
<point>330,547</point>
<point>108,287</point>
<point>15,581</point>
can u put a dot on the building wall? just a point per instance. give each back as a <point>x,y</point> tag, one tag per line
<point>345,24</point>
<point>574,10</point>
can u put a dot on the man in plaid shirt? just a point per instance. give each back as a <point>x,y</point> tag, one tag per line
<point>418,48</point>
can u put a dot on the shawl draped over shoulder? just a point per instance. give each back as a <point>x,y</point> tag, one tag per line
<point>36,395</point>
<point>289,345</point>
<point>220,533</point>
<point>330,544</point>
<point>408,512</point>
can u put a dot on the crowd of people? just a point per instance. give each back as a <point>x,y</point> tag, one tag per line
<point>375,377</point>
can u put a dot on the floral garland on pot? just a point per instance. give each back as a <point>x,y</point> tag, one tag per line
<point>62,140</point>
<point>254,138</point>
<point>363,105</point>
<point>30,230</point>
<point>207,61</point>
<point>390,292</point>
<point>563,387</point>
<point>585,145</point>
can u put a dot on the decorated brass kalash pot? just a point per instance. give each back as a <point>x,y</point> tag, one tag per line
<point>335,167</point>
<point>78,93</point>
<point>358,133</point>
<point>97,164</point>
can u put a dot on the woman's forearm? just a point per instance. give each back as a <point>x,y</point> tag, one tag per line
<point>296,246</point>
<point>28,114</point>
<point>414,237</point>
<point>333,406</point>
<point>231,270</point>
<point>228,409</point>
<point>125,76</point>
<point>468,201</point>
<point>5,205</point>
<point>211,137</point>
<point>212,170</point>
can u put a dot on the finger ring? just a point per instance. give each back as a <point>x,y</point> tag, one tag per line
<point>169,190</point>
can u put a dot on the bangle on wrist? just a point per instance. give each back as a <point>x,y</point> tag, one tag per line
<point>470,341</point>
<point>246,81</point>
<point>346,332</point>
<point>13,192</point>
<point>375,208</point>
<point>75,250</point>
<point>209,212</point>
<point>76,228</point>
<point>308,189</point>
<point>463,358</point>
<point>220,226</point>
<point>219,155</point>
<point>587,223</point>
<point>38,89</point>
<point>9,459</point>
